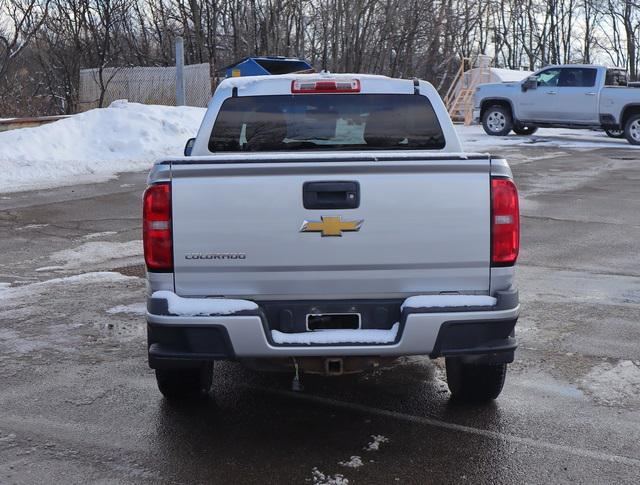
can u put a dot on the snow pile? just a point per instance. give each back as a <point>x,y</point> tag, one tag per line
<point>445,301</point>
<point>95,145</point>
<point>614,384</point>
<point>354,462</point>
<point>94,252</point>
<point>191,307</point>
<point>365,336</point>
<point>374,445</point>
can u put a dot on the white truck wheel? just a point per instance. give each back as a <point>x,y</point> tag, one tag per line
<point>474,382</point>
<point>178,384</point>
<point>497,121</point>
<point>632,130</point>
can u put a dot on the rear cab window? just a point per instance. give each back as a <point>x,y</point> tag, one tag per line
<point>577,77</point>
<point>326,122</point>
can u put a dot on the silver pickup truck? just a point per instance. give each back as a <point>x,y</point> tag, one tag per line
<point>330,224</point>
<point>568,96</point>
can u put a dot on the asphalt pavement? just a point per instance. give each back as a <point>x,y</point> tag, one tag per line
<point>78,403</point>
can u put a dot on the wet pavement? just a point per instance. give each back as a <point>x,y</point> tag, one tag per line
<point>78,403</point>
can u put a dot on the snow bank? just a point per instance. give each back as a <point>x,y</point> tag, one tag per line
<point>444,301</point>
<point>191,307</point>
<point>366,336</point>
<point>95,145</point>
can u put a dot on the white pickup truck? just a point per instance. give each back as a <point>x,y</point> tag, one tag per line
<point>330,224</point>
<point>568,96</point>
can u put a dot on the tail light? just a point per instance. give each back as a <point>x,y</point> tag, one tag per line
<point>156,227</point>
<point>505,222</point>
<point>325,86</point>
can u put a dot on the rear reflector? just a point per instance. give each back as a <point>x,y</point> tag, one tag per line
<point>325,86</point>
<point>156,227</point>
<point>505,222</point>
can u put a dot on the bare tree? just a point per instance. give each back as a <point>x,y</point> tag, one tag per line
<point>44,43</point>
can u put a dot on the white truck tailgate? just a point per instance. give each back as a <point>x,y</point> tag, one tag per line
<point>423,226</point>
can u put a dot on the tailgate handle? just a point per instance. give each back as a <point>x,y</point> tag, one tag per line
<point>331,195</point>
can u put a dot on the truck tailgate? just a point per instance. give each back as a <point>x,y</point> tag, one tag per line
<point>423,226</point>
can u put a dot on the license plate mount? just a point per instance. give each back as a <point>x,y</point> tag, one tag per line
<point>333,321</point>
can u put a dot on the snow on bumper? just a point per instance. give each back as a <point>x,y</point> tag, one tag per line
<point>420,332</point>
<point>324,337</point>
<point>194,307</point>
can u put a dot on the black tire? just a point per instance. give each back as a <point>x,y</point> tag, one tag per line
<point>611,133</point>
<point>497,121</point>
<point>474,382</point>
<point>524,130</point>
<point>179,384</point>
<point>632,130</point>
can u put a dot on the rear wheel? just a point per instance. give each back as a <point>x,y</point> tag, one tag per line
<point>474,382</point>
<point>632,130</point>
<point>524,130</point>
<point>177,384</point>
<point>611,133</point>
<point>497,121</point>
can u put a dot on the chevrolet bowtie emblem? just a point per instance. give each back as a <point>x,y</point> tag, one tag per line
<point>331,226</point>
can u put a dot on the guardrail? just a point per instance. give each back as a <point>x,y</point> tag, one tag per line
<point>15,123</point>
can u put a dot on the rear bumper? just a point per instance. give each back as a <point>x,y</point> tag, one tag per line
<point>477,335</point>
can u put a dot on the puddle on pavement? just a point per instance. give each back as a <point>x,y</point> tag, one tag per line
<point>547,384</point>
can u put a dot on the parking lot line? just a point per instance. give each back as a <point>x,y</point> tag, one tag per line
<point>541,444</point>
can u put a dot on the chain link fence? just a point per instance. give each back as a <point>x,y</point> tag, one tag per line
<point>148,85</point>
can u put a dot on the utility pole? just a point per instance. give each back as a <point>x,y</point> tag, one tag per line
<point>180,93</point>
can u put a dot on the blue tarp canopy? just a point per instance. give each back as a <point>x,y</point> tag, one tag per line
<point>260,66</point>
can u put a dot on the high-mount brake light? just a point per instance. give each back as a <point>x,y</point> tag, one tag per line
<point>325,86</point>
<point>505,222</point>
<point>156,227</point>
